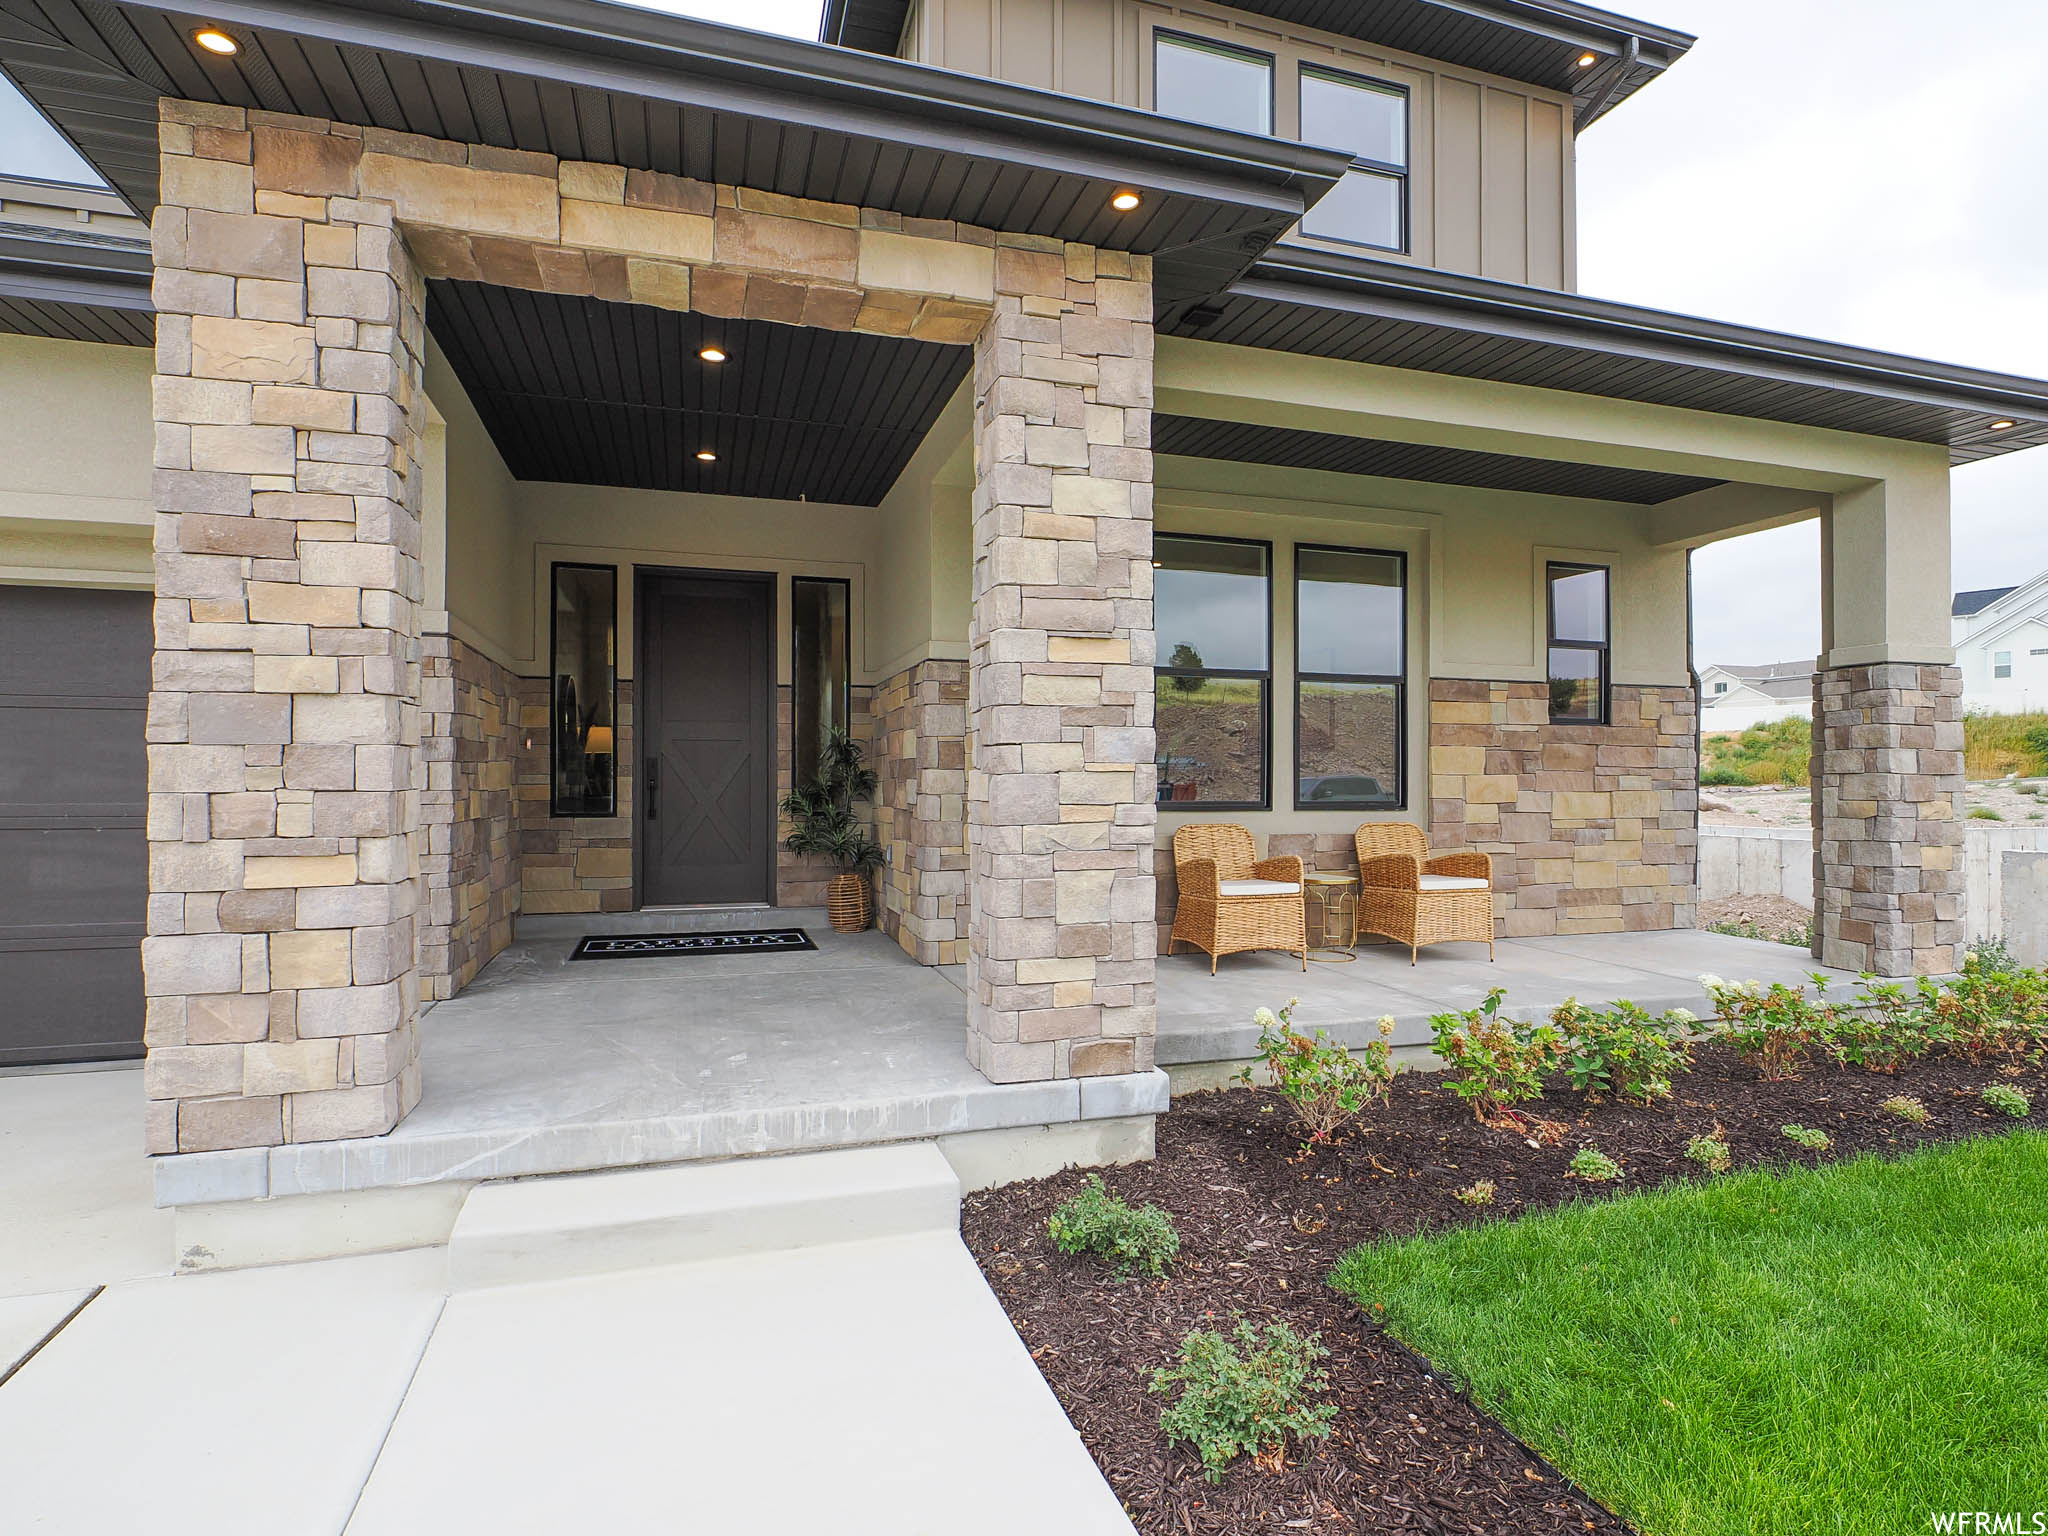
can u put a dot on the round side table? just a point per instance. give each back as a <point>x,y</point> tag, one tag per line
<point>1333,919</point>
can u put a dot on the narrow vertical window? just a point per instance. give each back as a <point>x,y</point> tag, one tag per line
<point>2001,663</point>
<point>1213,613</point>
<point>1204,82</point>
<point>1369,118</point>
<point>583,706</point>
<point>1351,642</point>
<point>1578,643</point>
<point>821,670</point>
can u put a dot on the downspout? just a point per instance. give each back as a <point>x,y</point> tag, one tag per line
<point>1617,72</point>
<point>1699,747</point>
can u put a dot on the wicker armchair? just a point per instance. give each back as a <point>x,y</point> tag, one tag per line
<point>1230,899</point>
<point>1413,897</point>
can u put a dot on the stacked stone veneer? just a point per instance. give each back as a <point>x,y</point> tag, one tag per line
<point>285,769</point>
<point>1887,813</point>
<point>1060,799</point>
<point>570,863</point>
<point>1592,828</point>
<point>469,862</point>
<point>921,809</point>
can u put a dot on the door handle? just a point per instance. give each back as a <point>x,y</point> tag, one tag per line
<point>652,794</point>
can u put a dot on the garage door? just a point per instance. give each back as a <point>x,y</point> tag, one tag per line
<point>74,871</point>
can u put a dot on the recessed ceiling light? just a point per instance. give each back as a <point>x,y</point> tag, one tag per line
<point>707,456</point>
<point>1588,60</point>
<point>712,354</point>
<point>2003,426</point>
<point>213,40</point>
<point>1125,201</point>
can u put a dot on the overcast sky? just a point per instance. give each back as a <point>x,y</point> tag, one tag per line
<point>1861,170</point>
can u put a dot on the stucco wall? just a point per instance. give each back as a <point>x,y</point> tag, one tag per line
<point>76,446</point>
<point>1490,159</point>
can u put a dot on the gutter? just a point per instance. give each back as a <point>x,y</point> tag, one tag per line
<point>671,58</point>
<point>1368,287</point>
<point>67,269</point>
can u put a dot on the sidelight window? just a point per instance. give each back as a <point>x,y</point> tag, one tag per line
<point>583,702</point>
<point>819,702</point>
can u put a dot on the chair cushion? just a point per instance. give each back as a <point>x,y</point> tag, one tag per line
<point>1258,888</point>
<point>1448,883</point>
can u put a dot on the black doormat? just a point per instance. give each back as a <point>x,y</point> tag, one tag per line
<point>742,941</point>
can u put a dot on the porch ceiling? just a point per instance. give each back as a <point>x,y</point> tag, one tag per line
<point>581,391</point>
<point>1250,443</point>
<point>591,81</point>
<point>74,286</point>
<point>1364,310</point>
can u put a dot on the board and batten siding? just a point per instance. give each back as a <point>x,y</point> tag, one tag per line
<point>1490,161</point>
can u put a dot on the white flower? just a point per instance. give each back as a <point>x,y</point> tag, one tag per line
<point>1265,1018</point>
<point>1712,983</point>
<point>1683,1016</point>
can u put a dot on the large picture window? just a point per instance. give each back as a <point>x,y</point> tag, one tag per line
<point>1213,613</point>
<point>1204,82</point>
<point>1578,643</point>
<point>583,698</point>
<point>1351,645</point>
<point>821,676</point>
<point>1370,119</point>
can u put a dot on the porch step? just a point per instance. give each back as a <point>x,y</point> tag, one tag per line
<point>528,1230</point>
<point>545,926</point>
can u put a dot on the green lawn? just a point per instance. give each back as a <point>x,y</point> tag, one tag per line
<point>1838,1350</point>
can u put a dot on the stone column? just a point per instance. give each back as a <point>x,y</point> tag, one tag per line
<point>284,758</point>
<point>1888,733</point>
<point>1060,800</point>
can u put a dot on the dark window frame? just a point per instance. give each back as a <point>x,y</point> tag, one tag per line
<point>1213,45</point>
<point>796,733</point>
<point>1400,682</point>
<point>1265,679</point>
<point>1603,648</point>
<point>555,568</point>
<point>1400,173</point>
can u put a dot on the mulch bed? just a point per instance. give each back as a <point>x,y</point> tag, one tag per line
<point>1261,1226</point>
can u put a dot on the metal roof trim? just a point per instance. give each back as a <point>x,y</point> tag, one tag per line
<point>1542,314</point>
<point>56,267</point>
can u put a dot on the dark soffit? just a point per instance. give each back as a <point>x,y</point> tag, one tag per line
<point>1369,311</point>
<point>585,392</point>
<point>1538,42</point>
<point>591,81</point>
<point>1198,437</point>
<point>74,285</point>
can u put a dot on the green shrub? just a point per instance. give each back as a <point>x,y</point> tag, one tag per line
<point>1719,777</point>
<point>1996,745</point>
<point>2008,1098</point>
<point>1710,1152</point>
<point>1989,955</point>
<point>1129,1239</point>
<point>1988,1015</point>
<point>1622,1050</point>
<point>1594,1166</point>
<point>1903,1106</point>
<point>1984,813</point>
<point>1812,1140</point>
<point>1773,1026</point>
<point>1246,1394</point>
<point>1325,1084</point>
<point>1495,1062</point>
<point>1883,1028</point>
<point>1478,1192</point>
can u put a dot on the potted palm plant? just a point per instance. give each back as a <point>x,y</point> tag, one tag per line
<point>822,821</point>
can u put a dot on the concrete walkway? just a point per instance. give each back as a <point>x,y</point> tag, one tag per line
<point>864,1385</point>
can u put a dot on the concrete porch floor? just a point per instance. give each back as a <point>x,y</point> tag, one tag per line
<point>1204,1018</point>
<point>544,1065</point>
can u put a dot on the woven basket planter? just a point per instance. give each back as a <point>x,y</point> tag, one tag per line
<point>847,904</point>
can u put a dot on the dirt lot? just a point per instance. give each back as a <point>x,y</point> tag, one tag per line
<point>1261,1225</point>
<point>1776,806</point>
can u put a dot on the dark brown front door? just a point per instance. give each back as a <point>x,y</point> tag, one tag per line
<point>707,817</point>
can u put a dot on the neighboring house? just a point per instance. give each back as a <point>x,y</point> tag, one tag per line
<point>561,414</point>
<point>1733,698</point>
<point>2001,641</point>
